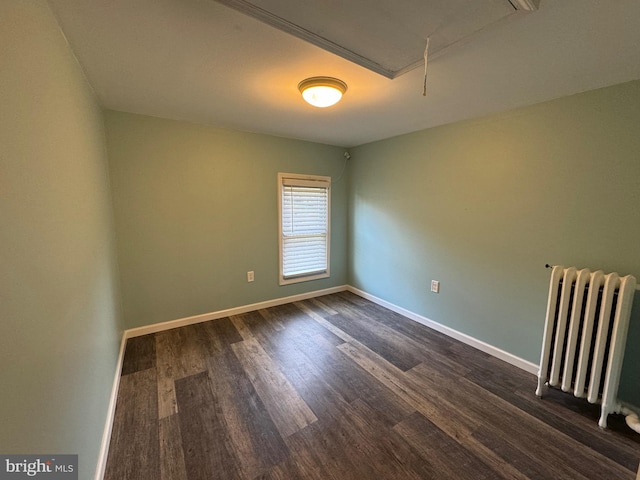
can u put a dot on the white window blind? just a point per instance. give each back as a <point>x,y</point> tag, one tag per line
<point>304,227</point>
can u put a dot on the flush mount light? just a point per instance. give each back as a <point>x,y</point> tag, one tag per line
<point>322,91</point>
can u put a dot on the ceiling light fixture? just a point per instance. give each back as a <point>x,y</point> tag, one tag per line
<point>322,91</point>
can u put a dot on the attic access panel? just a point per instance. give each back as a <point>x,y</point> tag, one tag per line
<point>385,36</point>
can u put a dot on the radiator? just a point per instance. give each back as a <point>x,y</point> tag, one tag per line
<point>585,334</point>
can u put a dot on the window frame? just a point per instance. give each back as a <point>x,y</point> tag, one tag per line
<point>302,180</point>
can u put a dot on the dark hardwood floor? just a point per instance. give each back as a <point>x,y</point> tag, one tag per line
<point>340,388</point>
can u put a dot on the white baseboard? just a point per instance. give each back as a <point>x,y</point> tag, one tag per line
<point>205,317</point>
<point>463,337</point>
<point>111,411</point>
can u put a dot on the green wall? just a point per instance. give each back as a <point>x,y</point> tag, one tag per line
<point>196,208</point>
<point>482,205</point>
<point>59,308</point>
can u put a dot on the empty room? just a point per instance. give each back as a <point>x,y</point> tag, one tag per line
<point>250,239</point>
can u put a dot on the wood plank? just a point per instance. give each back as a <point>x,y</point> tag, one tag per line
<point>294,321</point>
<point>273,316</point>
<point>518,387</point>
<point>167,403</point>
<point>252,431</point>
<point>140,354</point>
<point>172,465</point>
<point>431,339</point>
<point>529,463</point>
<point>312,313</point>
<point>179,353</point>
<point>287,409</point>
<point>354,299</point>
<point>523,436</point>
<point>422,399</point>
<point>355,384</point>
<point>311,463</point>
<point>446,456</point>
<point>382,340</point>
<point>301,373</point>
<point>318,302</point>
<point>217,335</point>
<point>357,443</point>
<point>434,347</point>
<point>437,409</point>
<point>134,446</point>
<point>207,446</point>
<point>314,354</point>
<point>338,447</point>
<point>527,433</point>
<point>383,331</point>
<point>286,470</point>
<point>291,361</point>
<point>393,448</point>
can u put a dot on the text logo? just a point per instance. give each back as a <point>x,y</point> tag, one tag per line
<point>45,467</point>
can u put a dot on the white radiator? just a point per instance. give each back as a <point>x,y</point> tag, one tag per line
<point>585,334</point>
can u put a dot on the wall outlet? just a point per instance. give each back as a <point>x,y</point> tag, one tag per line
<point>435,286</point>
<point>250,276</point>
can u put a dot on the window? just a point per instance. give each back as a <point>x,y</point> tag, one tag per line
<point>304,204</point>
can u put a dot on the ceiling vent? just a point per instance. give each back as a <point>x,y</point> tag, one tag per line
<point>527,5</point>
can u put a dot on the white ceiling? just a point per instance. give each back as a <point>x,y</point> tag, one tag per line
<point>200,61</point>
<point>385,36</point>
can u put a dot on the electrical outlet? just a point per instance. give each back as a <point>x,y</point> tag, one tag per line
<point>435,286</point>
<point>250,276</point>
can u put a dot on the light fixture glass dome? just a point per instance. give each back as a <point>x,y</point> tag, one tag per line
<point>322,91</point>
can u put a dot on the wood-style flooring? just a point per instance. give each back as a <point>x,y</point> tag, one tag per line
<point>338,387</point>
